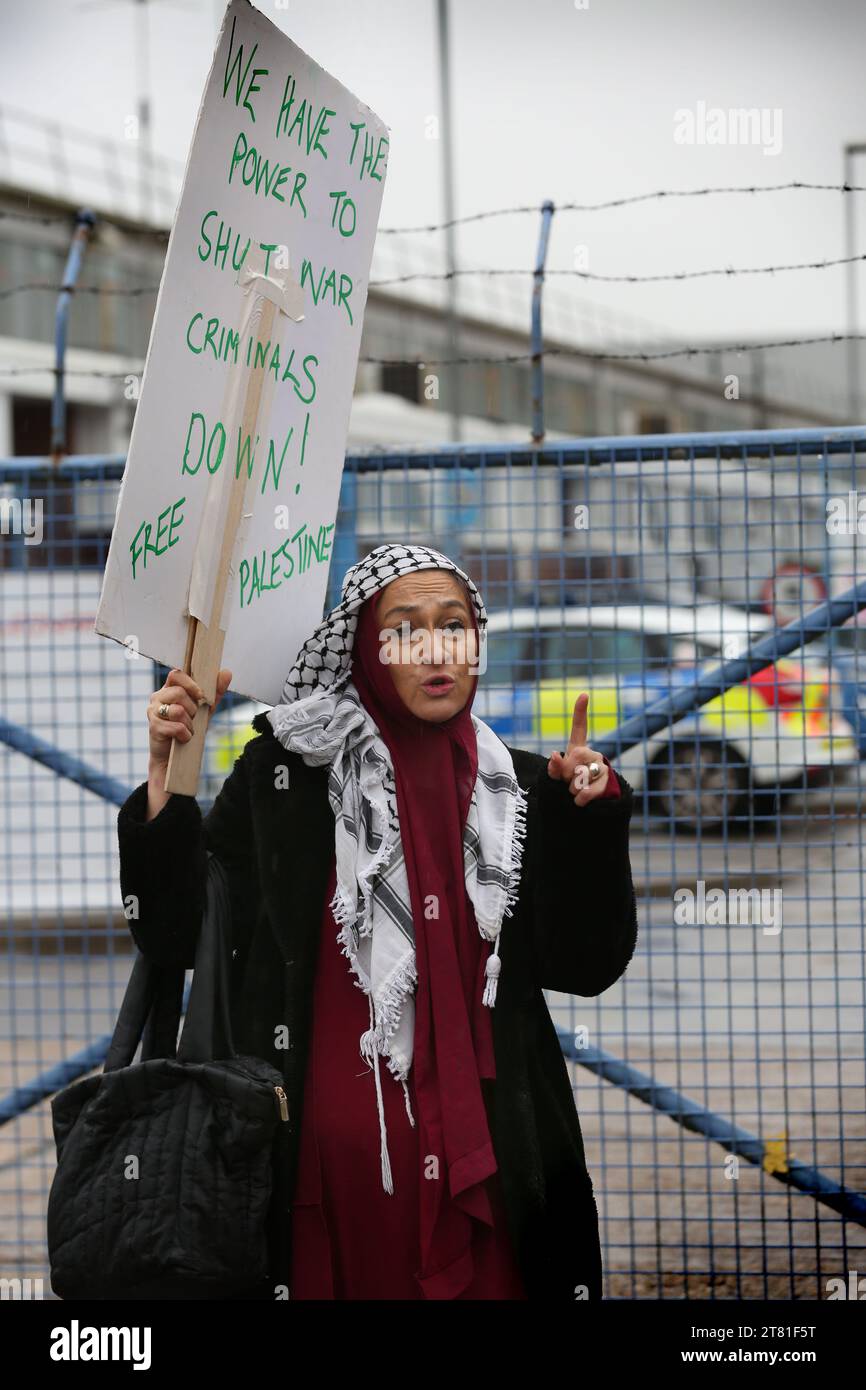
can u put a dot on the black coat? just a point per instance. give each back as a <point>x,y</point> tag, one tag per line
<point>573,929</point>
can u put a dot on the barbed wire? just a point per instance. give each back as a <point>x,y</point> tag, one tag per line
<point>442,275</point>
<point>120,290</point>
<point>630,200</point>
<point>591,354</point>
<point>45,219</point>
<point>624,279</point>
<point>594,354</point>
<point>52,370</point>
<point>584,353</point>
<point>67,219</point>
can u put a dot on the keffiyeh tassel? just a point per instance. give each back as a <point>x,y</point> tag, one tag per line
<point>370,1053</point>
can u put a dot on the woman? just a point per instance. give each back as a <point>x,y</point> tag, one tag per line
<point>382,841</point>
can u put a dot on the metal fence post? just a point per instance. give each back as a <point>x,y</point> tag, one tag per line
<point>346,535</point>
<point>547,211</point>
<point>85,221</point>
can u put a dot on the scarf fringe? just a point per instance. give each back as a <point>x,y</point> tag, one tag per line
<point>390,1009</point>
<point>408,1106</point>
<point>493,967</point>
<point>518,838</point>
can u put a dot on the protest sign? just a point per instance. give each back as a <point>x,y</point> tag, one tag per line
<point>226,515</point>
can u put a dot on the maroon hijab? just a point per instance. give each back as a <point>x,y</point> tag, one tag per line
<point>434,771</point>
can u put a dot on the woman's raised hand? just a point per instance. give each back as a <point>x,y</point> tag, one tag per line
<point>574,766</point>
<point>181,696</point>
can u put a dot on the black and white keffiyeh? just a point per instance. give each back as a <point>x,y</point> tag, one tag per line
<point>321,717</point>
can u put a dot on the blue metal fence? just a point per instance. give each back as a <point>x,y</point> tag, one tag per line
<point>706,591</point>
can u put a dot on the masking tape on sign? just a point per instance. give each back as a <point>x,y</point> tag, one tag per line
<point>286,294</point>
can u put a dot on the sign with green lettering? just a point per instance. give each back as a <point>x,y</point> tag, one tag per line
<point>251,365</point>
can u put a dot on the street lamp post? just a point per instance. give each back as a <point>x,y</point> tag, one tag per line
<point>851,153</point>
<point>453,374</point>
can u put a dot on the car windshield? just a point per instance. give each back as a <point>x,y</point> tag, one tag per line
<point>848,641</point>
<point>521,658</point>
<point>509,658</point>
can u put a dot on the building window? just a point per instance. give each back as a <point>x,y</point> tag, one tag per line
<point>31,425</point>
<point>402,379</point>
<point>650,423</point>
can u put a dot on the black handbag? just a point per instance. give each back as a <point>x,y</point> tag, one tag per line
<point>165,1167</point>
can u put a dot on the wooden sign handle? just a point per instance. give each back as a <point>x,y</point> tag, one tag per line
<point>204,643</point>
<point>184,759</point>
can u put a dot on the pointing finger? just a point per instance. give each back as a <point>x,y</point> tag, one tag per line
<point>577,738</point>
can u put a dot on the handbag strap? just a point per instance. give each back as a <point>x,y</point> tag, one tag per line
<point>150,1014</point>
<point>160,1031</point>
<point>152,1004</point>
<point>207,1030</point>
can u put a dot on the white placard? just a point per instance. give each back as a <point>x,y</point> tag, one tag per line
<point>279,205</point>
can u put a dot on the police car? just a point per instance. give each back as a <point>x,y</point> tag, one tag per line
<point>738,754</point>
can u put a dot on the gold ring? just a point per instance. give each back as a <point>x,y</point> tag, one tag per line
<point>594,771</point>
<point>164,711</point>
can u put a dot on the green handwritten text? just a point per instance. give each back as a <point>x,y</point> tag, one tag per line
<point>295,556</point>
<point>142,544</point>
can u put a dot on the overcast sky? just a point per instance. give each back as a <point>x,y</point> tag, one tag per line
<point>550,101</point>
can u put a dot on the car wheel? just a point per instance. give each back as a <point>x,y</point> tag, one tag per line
<point>699,786</point>
<point>768,802</point>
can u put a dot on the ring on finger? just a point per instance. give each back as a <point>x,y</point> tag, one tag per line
<point>594,771</point>
<point>164,712</point>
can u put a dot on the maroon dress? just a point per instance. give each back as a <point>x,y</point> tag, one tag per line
<point>350,1238</point>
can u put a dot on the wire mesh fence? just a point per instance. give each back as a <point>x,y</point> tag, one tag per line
<point>706,591</point>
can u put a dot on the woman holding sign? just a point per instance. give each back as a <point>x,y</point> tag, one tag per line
<point>404,886</point>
